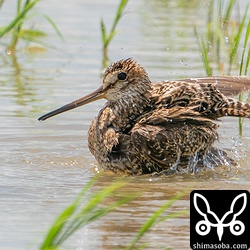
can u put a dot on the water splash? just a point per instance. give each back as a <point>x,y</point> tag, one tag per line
<point>238,149</point>
<point>193,163</point>
<point>215,159</point>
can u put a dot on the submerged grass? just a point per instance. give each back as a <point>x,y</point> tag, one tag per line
<point>79,214</point>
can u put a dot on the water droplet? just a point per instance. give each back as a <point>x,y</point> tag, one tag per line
<point>8,52</point>
<point>182,62</point>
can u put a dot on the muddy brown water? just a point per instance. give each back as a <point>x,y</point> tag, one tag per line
<point>44,165</point>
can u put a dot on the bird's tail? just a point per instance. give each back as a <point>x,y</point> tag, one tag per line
<point>233,107</point>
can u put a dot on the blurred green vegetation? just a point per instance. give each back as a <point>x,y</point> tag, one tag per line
<point>107,37</point>
<point>220,46</point>
<point>100,203</point>
<point>16,30</point>
<point>226,45</point>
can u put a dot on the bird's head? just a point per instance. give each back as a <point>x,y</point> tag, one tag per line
<point>122,79</point>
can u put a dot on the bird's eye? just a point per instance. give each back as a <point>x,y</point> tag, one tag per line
<point>122,76</point>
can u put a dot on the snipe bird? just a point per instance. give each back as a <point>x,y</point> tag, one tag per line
<point>163,127</point>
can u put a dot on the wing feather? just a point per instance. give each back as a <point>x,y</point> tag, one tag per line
<point>166,143</point>
<point>228,85</point>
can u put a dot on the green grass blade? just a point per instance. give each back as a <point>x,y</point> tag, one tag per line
<point>204,53</point>
<point>32,33</point>
<point>119,12</point>
<point>26,3</point>
<point>227,16</point>
<point>240,120</point>
<point>104,33</point>
<point>18,19</point>
<point>50,21</point>
<point>210,24</point>
<point>82,219</point>
<point>248,98</point>
<point>59,223</point>
<point>217,25</point>
<point>106,38</point>
<point>153,220</point>
<point>19,4</point>
<point>103,211</point>
<point>90,212</point>
<point>222,49</point>
<point>110,37</point>
<point>244,49</point>
<point>18,27</point>
<point>247,62</point>
<point>101,195</point>
<point>236,41</point>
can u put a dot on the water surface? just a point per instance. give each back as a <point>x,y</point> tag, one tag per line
<point>45,164</point>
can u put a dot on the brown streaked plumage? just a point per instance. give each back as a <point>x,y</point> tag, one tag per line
<point>167,126</point>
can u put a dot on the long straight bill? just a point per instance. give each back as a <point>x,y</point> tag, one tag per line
<point>96,95</point>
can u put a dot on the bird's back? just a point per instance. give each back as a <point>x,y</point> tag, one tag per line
<point>203,98</point>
